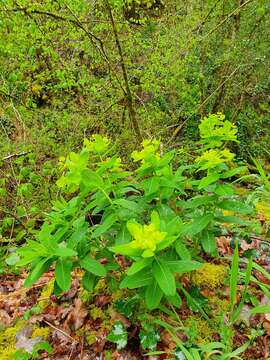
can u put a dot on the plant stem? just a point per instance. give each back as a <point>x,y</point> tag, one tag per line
<point>128,95</point>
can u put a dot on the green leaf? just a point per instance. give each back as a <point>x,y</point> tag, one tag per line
<point>63,273</point>
<point>198,201</point>
<point>125,249</point>
<point>153,295</point>
<point>234,354</point>
<point>92,180</point>
<point>126,306</point>
<point>140,279</point>
<point>230,220</point>
<point>130,205</point>
<point>224,190</point>
<point>41,267</point>
<point>233,172</point>
<point>123,236</point>
<point>234,277</point>
<point>198,224</point>
<point>234,205</point>
<point>261,309</point>
<point>195,300</point>
<point>12,259</point>
<point>88,281</point>
<point>93,266</point>
<point>173,226</point>
<point>151,185</point>
<point>175,300</point>
<point>42,345</point>
<point>244,294</point>
<point>182,250</point>
<point>149,337</point>
<point>64,252</point>
<point>207,180</point>
<point>118,335</point>
<point>208,242</point>
<point>181,266</point>
<point>139,265</point>
<point>109,221</point>
<point>164,277</point>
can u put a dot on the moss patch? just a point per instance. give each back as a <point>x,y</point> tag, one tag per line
<point>210,276</point>
<point>8,339</point>
<point>198,330</point>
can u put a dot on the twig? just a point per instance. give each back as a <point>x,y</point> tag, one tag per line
<point>8,95</point>
<point>227,18</point>
<point>20,291</point>
<point>198,27</point>
<point>179,128</point>
<point>15,155</point>
<point>128,94</point>
<point>76,21</point>
<point>61,331</point>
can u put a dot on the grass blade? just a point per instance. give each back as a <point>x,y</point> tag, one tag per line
<point>234,277</point>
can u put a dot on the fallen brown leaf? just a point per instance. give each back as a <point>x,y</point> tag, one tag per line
<point>116,316</point>
<point>76,317</point>
<point>5,319</point>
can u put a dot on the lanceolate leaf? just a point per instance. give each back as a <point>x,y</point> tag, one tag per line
<point>105,226</point>
<point>139,265</point>
<point>234,277</point>
<point>125,249</point>
<point>140,279</point>
<point>181,266</point>
<point>88,281</point>
<point>153,295</point>
<point>175,300</point>
<point>261,309</point>
<point>63,273</point>
<point>233,172</point>
<point>164,277</point>
<point>92,180</point>
<point>182,250</point>
<point>41,267</point>
<point>199,201</point>
<point>198,224</point>
<point>207,180</point>
<point>130,205</point>
<point>224,190</point>
<point>93,266</point>
<point>64,252</point>
<point>208,241</point>
<point>233,205</point>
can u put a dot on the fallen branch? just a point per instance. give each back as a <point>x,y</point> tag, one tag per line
<point>10,156</point>
<point>61,331</point>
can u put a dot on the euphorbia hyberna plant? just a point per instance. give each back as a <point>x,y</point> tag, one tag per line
<point>153,215</point>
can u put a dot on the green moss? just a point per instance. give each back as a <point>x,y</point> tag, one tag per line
<point>42,332</point>
<point>85,296</point>
<point>91,337</point>
<point>101,287</point>
<point>198,330</point>
<point>118,294</point>
<point>219,305</point>
<point>7,340</point>
<point>210,276</point>
<point>97,313</point>
<point>44,299</point>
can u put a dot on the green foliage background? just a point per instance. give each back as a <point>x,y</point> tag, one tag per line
<point>61,80</point>
<point>184,59</point>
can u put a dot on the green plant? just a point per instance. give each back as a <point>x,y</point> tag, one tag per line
<point>212,350</point>
<point>104,216</point>
<point>41,346</point>
<point>118,335</point>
